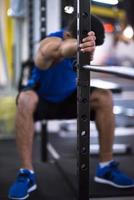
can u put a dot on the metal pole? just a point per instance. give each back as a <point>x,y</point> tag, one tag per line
<point>44,132</point>
<point>17,11</point>
<point>4,58</point>
<point>43,19</point>
<point>18,48</point>
<point>30,31</point>
<point>121,71</point>
<point>83,91</point>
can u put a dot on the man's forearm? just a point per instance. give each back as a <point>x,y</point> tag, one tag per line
<point>52,50</point>
<point>48,52</point>
<point>68,48</point>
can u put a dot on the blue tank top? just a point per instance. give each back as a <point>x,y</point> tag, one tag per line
<point>57,82</point>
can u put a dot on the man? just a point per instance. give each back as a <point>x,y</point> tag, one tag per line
<point>51,92</point>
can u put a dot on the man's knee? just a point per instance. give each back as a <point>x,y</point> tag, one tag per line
<point>27,101</point>
<point>106,99</point>
<point>103,97</point>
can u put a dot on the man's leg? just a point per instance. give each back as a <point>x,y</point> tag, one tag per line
<point>107,170</point>
<point>101,103</point>
<point>25,127</point>
<point>26,180</point>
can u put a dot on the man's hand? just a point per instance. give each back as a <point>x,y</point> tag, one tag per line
<point>88,43</point>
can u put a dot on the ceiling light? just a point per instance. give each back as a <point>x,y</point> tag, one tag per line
<point>110,2</point>
<point>128,32</point>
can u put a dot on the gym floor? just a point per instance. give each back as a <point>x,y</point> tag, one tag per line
<point>57,180</point>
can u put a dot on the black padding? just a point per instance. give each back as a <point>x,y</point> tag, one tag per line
<point>98,28</point>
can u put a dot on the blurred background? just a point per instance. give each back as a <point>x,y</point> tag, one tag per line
<point>24,23</point>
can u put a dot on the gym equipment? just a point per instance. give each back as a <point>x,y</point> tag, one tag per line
<point>83,93</point>
<point>17,11</point>
<point>124,72</point>
<point>3,55</point>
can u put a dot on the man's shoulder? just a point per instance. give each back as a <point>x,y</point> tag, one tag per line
<point>52,37</point>
<point>57,34</point>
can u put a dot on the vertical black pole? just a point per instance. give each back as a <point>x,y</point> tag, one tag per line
<point>30,39</point>
<point>83,91</point>
<point>44,132</point>
<point>43,18</point>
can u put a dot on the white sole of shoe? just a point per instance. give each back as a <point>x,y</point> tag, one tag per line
<point>34,187</point>
<point>104,181</point>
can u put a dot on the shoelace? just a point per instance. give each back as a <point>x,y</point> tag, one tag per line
<point>114,166</point>
<point>23,177</point>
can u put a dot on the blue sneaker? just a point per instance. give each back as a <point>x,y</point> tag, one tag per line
<point>24,184</point>
<point>111,175</point>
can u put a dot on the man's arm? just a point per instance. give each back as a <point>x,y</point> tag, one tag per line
<point>53,49</point>
<point>48,52</point>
